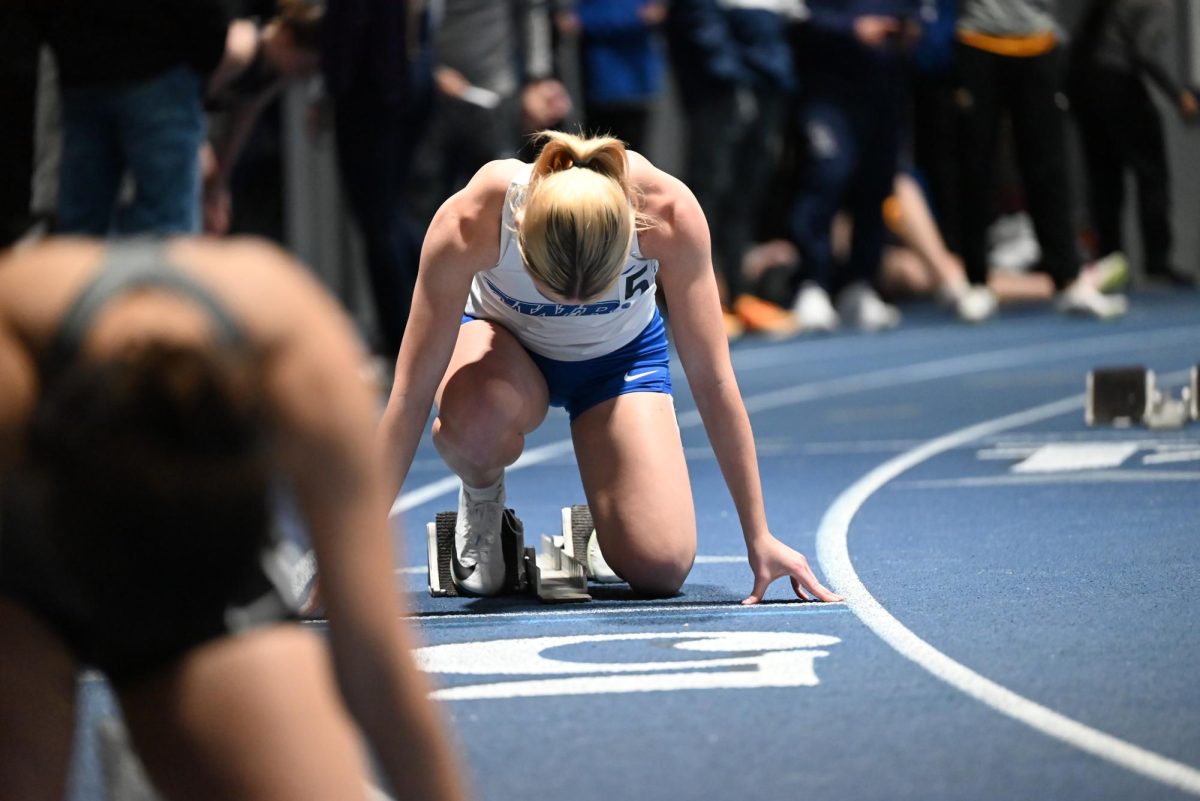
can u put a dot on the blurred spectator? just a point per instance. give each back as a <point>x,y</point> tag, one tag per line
<point>19,42</point>
<point>1120,45</point>
<point>495,81</point>
<point>258,61</point>
<point>622,63</point>
<point>132,74</point>
<point>850,58</point>
<point>734,71</point>
<point>917,262</point>
<point>378,72</point>
<point>1009,61</point>
<point>934,116</point>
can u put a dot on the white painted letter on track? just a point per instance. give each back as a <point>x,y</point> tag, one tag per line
<point>553,666</point>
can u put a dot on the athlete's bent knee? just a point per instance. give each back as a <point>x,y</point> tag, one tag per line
<point>657,578</point>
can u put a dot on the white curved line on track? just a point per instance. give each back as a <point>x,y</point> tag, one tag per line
<point>831,543</point>
<point>847,385</point>
<point>834,556</point>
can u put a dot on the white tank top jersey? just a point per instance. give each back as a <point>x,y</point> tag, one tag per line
<point>564,331</point>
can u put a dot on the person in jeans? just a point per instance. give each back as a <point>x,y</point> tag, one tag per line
<point>851,59</point>
<point>132,74</point>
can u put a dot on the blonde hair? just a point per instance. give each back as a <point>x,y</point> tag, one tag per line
<point>577,217</point>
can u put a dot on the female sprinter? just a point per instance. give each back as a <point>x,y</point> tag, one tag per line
<point>558,263</point>
<point>152,397</point>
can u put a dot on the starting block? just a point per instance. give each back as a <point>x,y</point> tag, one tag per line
<point>578,535</point>
<point>557,574</point>
<point>1125,396</point>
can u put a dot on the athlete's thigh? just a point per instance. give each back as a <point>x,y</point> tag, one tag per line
<point>635,476</point>
<point>243,718</point>
<point>37,707</point>
<point>489,366</point>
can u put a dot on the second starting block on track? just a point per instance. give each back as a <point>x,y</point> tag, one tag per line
<point>1125,396</point>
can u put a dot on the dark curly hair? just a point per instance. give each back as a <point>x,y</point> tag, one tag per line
<point>152,472</point>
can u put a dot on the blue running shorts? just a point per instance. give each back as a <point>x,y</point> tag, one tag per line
<point>643,365</point>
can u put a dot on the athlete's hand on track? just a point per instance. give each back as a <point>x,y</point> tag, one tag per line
<point>772,559</point>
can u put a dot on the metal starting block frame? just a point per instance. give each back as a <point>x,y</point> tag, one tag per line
<point>1125,396</point>
<point>554,575</point>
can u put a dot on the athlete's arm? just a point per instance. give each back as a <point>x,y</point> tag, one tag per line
<point>463,239</point>
<point>325,415</point>
<point>681,244</point>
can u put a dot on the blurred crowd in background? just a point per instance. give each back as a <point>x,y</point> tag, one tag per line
<point>848,154</point>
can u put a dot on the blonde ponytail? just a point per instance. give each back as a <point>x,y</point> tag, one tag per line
<point>577,217</point>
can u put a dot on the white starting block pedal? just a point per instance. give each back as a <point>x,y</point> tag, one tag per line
<point>579,542</point>
<point>1125,396</point>
<point>552,575</point>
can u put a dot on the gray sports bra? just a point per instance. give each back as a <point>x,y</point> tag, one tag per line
<point>128,266</point>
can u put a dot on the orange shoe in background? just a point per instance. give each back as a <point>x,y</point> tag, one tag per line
<point>759,316</point>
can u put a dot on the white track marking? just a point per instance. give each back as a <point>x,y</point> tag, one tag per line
<point>758,659</point>
<point>1172,457</point>
<point>1063,457</point>
<point>721,560</point>
<point>875,379</point>
<point>1046,479</point>
<point>834,557</point>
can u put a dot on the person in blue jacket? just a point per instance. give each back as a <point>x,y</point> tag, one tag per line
<point>621,61</point>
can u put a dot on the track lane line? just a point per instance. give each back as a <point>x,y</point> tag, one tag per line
<point>834,557</point>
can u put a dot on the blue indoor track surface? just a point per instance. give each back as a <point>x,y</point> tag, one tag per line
<point>1022,617</point>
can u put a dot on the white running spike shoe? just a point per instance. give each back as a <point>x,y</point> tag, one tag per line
<point>477,561</point>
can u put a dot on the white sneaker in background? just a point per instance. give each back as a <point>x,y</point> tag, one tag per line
<point>1109,273</point>
<point>976,304</point>
<point>813,309</point>
<point>1012,243</point>
<point>1084,298</point>
<point>949,293</point>
<point>860,307</point>
<point>477,561</point>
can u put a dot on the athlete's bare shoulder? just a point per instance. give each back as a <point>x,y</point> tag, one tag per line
<point>466,229</point>
<point>38,280</point>
<point>45,261</point>
<point>666,200</point>
<point>483,196</point>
